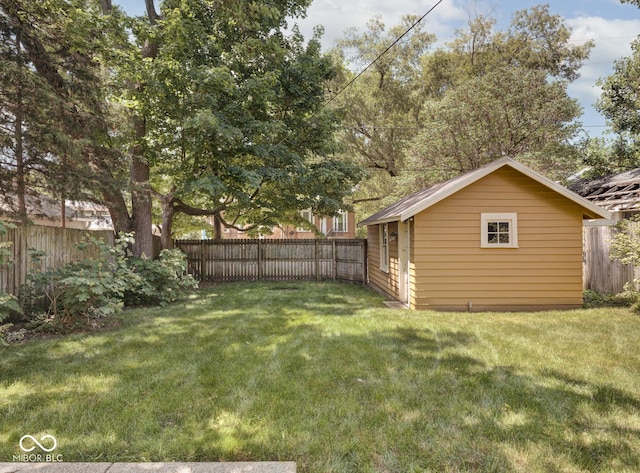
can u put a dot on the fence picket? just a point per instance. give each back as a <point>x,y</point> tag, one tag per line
<point>599,272</point>
<point>236,260</point>
<point>59,246</point>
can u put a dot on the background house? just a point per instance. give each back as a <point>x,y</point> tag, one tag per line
<point>342,226</point>
<point>619,194</point>
<point>43,210</point>
<point>501,237</point>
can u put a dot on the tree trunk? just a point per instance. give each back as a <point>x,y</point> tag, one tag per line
<point>21,186</point>
<point>141,195</point>
<point>118,211</point>
<point>168,212</point>
<point>140,169</point>
<point>217,227</point>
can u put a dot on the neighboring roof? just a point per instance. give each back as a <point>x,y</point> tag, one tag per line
<point>416,203</point>
<point>613,193</point>
<point>94,216</point>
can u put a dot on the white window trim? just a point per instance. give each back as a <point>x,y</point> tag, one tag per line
<point>308,217</point>
<point>510,217</point>
<point>341,214</point>
<point>384,247</point>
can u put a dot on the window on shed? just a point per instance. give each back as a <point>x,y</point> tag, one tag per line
<point>384,247</point>
<point>499,230</point>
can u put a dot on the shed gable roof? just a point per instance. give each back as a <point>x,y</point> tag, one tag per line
<point>415,203</point>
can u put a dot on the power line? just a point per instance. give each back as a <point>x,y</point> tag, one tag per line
<point>383,53</point>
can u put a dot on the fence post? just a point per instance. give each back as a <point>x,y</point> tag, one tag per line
<point>203,265</point>
<point>335,259</point>
<point>364,262</point>
<point>260,271</point>
<point>317,262</point>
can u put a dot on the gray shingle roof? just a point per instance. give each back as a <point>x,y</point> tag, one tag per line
<point>419,201</point>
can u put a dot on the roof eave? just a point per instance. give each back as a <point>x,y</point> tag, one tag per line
<point>590,209</point>
<point>367,221</point>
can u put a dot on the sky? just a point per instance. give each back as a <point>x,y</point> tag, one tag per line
<point>610,24</point>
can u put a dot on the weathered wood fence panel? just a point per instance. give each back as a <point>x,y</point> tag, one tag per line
<point>243,260</point>
<point>599,272</point>
<point>59,246</point>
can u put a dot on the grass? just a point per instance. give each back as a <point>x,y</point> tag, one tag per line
<point>324,375</point>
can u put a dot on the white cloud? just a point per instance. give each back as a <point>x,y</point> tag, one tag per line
<point>338,15</point>
<point>612,38</point>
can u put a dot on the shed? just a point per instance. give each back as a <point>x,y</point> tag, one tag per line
<point>501,237</point>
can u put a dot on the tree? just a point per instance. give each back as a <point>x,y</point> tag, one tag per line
<point>484,95</point>
<point>380,110</point>
<point>53,117</point>
<point>505,112</point>
<point>234,118</point>
<point>504,95</point>
<point>619,101</point>
<point>605,157</point>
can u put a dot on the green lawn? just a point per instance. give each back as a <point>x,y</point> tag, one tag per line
<point>324,375</point>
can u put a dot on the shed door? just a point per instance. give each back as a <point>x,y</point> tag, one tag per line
<point>404,256</point>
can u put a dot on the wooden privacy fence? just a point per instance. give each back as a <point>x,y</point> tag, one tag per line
<point>599,272</point>
<point>242,260</point>
<point>57,244</point>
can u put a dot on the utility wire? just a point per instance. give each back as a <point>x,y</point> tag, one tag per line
<point>382,53</point>
<point>288,136</point>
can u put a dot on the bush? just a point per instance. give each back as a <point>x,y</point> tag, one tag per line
<point>95,288</point>
<point>8,306</point>
<point>159,281</point>
<point>625,247</point>
<point>89,288</point>
<point>8,303</point>
<point>597,299</point>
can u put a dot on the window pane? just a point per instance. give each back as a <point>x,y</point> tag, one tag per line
<point>492,238</point>
<point>492,227</point>
<point>504,238</point>
<point>503,227</point>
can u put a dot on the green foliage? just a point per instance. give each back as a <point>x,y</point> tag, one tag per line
<point>233,110</point>
<point>9,304</point>
<point>50,52</point>
<point>606,157</point>
<point>99,287</point>
<point>594,299</point>
<point>619,102</point>
<point>6,256</point>
<point>86,288</point>
<point>625,247</point>
<point>160,281</point>
<point>431,115</point>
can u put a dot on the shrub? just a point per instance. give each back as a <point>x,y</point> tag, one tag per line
<point>88,288</point>
<point>625,247</point>
<point>593,299</point>
<point>159,281</point>
<point>8,303</point>
<point>94,288</point>
<point>8,306</point>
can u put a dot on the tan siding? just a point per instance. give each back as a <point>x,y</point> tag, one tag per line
<point>544,271</point>
<point>384,281</point>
